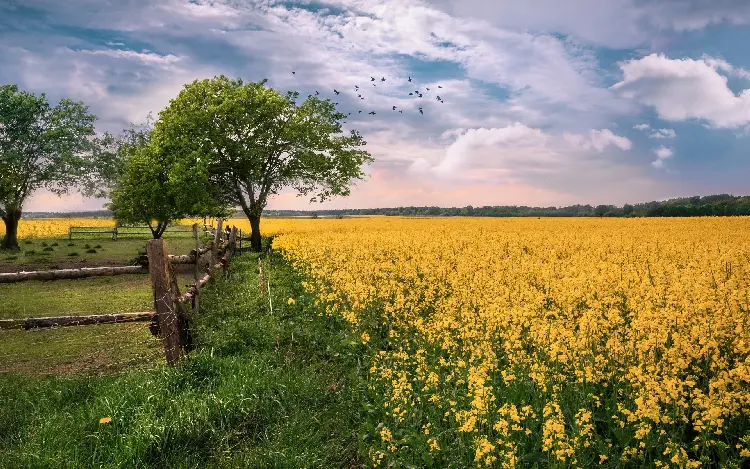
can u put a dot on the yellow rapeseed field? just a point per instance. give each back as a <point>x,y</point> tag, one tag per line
<point>542,342</point>
<point>53,227</point>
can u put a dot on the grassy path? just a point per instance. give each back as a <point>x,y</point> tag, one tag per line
<point>264,390</point>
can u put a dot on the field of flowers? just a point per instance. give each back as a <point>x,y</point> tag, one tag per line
<point>542,342</point>
<point>53,227</point>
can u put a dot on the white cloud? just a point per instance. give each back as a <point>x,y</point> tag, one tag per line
<point>684,89</point>
<point>612,23</point>
<point>598,140</point>
<point>663,133</point>
<point>641,126</point>
<point>662,153</point>
<point>148,58</point>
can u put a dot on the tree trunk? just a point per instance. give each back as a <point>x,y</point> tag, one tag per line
<point>255,240</point>
<point>11,219</point>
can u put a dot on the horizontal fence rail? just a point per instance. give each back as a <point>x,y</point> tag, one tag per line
<point>63,321</point>
<point>170,320</point>
<point>71,274</point>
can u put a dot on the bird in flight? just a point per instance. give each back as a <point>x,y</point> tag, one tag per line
<point>356,87</point>
<point>420,95</point>
<point>428,89</point>
<point>316,93</point>
<point>394,108</point>
<point>337,92</point>
<point>438,98</point>
<point>372,78</point>
<point>439,86</point>
<point>411,94</point>
<point>372,112</point>
<point>294,73</point>
<point>401,112</point>
<point>360,112</point>
<point>409,79</point>
<point>382,79</point>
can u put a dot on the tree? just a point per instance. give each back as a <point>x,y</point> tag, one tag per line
<point>155,189</point>
<point>111,153</point>
<point>254,142</point>
<point>40,147</point>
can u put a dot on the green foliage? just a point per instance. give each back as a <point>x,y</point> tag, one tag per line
<point>711,205</point>
<point>250,141</point>
<point>155,189</point>
<point>40,146</point>
<point>276,390</point>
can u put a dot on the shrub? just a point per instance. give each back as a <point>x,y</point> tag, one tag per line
<point>54,244</point>
<point>71,244</point>
<point>73,254</point>
<point>28,241</point>
<point>91,251</point>
<point>48,249</point>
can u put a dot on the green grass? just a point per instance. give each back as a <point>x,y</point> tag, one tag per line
<point>99,295</point>
<point>277,390</point>
<point>92,252</point>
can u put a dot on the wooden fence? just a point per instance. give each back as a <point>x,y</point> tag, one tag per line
<point>170,321</point>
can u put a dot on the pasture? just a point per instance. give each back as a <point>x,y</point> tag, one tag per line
<point>394,342</point>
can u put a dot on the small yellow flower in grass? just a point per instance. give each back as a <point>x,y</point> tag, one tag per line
<point>105,420</point>
<point>365,337</point>
<point>290,301</point>
<point>745,453</point>
<point>602,458</point>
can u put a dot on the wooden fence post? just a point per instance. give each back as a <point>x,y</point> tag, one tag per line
<point>196,271</point>
<point>114,233</point>
<point>171,322</point>
<point>229,253</point>
<point>215,246</point>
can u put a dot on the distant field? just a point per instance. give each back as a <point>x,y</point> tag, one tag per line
<point>103,348</point>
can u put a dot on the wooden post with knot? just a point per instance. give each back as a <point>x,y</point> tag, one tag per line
<point>171,318</point>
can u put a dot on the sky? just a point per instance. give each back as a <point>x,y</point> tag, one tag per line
<point>543,102</point>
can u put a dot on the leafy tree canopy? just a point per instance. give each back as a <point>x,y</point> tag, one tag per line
<point>155,189</point>
<point>41,146</point>
<point>254,141</point>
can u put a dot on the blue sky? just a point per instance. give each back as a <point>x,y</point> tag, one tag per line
<point>545,102</point>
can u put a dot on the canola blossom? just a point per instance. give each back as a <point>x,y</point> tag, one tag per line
<point>54,227</point>
<point>547,342</point>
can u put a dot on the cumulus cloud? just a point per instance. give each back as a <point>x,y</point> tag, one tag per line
<point>641,126</point>
<point>662,154</point>
<point>663,133</point>
<point>684,89</point>
<point>518,151</point>
<point>611,23</point>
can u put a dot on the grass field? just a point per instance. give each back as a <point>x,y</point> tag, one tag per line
<point>100,349</point>
<point>265,389</point>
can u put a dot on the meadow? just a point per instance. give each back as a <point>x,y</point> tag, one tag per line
<point>543,342</point>
<point>438,342</point>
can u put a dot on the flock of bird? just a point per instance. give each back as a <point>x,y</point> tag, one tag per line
<point>416,93</point>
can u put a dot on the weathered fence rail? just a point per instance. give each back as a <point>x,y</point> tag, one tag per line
<point>70,274</point>
<point>62,321</point>
<point>170,320</point>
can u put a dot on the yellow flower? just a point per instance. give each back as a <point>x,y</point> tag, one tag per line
<point>290,301</point>
<point>104,420</point>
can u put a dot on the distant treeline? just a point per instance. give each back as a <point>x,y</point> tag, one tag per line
<point>710,205</point>
<point>91,214</point>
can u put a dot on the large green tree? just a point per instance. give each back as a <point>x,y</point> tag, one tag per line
<point>154,188</point>
<point>254,141</point>
<point>41,146</point>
